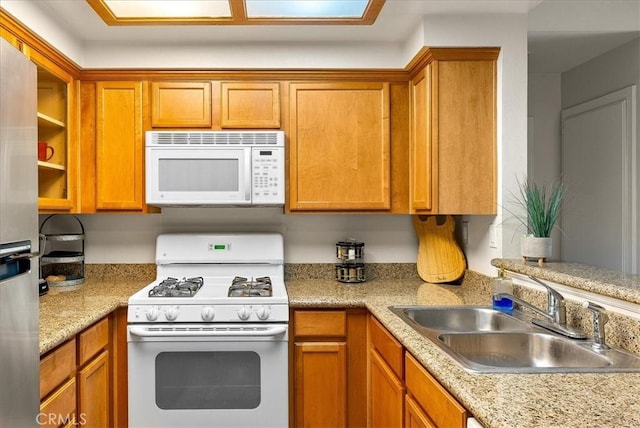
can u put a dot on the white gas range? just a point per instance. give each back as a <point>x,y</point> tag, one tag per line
<point>208,339</point>
<point>219,278</point>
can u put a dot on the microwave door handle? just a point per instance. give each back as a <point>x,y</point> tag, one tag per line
<point>247,176</point>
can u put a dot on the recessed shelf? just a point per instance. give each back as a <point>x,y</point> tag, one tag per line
<point>48,121</point>
<point>48,166</point>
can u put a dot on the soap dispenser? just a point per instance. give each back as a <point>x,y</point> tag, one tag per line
<point>502,284</point>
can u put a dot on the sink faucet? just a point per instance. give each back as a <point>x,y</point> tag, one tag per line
<point>556,307</point>
<point>555,318</point>
<point>600,318</point>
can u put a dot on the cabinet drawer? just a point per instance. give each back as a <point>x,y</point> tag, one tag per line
<point>438,404</point>
<point>57,366</point>
<point>93,340</point>
<point>387,346</point>
<point>320,323</point>
<point>60,408</point>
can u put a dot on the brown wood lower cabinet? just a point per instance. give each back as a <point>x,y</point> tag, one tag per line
<point>387,393</point>
<point>321,384</point>
<point>435,401</point>
<point>328,378</point>
<point>80,379</point>
<point>386,377</point>
<point>59,408</point>
<point>93,392</point>
<point>402,393</point>
<point>414,416</point>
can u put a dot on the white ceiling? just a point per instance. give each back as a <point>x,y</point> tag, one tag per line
<point>562,33</point>
<point>396,21</point>
<point>554,52</point>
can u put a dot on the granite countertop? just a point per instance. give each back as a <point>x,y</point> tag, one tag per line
<point>506,400</point>
<point>66,313</point>
<point>584,277</point>
<point>495,400</point>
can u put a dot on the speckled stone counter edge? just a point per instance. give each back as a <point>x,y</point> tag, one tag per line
<point>583,277</point>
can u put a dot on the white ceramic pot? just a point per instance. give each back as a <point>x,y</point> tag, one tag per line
<point>535,247</point>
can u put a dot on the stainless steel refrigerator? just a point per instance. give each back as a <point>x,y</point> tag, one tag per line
<point>19,350</point>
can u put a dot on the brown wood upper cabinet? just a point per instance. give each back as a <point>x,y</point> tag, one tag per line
<point>250,105</point>
<point>339,147</point>
<point>113,115</point>
<point>56,100</point>
<point>453,133</point>
<point>119,147</point>
<point>181,104</point>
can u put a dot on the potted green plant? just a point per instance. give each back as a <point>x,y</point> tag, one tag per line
<point>542,205</point>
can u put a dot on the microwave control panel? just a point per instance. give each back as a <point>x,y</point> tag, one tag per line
<point>267,178</point>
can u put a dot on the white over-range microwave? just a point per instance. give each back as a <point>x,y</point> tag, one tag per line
<point>214,168</point>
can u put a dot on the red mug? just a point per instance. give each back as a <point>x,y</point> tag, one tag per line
<point>45,151</point>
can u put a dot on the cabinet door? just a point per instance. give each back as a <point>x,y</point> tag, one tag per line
<point>438,404</point>
<point>339,147</point>
<point>250,105</point>
<point>421,166</point>
<point>466,100</point>
<point>320,384</point>
<point>181,104</point>
<point>119,146</point>
<point>93,392</point>
<point>414,417</point>
<point>386,394</point>
<point>60,407</point>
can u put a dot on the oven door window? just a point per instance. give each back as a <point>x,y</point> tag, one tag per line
<point>207,380</point>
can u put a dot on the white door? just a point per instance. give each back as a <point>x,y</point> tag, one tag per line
<point>599,167</point>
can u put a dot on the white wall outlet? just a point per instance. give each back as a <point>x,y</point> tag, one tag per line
<point>493,236</point>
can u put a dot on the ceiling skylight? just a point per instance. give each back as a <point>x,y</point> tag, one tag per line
<point>237,12</point>
<point>169,9</point>
<point>306,8</point>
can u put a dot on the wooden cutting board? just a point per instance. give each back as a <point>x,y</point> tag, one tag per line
<point>440,259</point>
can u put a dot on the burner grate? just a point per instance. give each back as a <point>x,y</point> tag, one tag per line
<point>243,287</point>
<point>173,287</point>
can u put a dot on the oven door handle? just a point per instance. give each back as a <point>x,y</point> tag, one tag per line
<point>268,332</point>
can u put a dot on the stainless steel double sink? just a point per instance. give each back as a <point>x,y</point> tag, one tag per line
<point>484,340</point>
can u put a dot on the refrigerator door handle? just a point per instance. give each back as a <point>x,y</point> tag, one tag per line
<point>24,256</point>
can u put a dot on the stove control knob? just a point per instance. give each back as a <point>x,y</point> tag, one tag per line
<point>207,313</point>
<point>263,313</point>
<point>171,314</point>
<point>244,313</point>
<point>152,314</point>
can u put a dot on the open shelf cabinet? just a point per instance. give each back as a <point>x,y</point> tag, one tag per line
<point>55,88</point>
